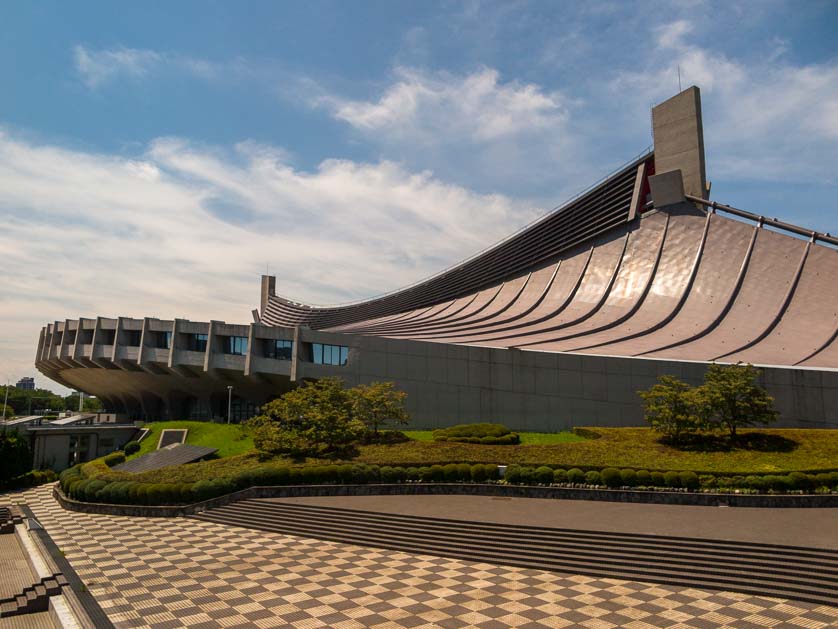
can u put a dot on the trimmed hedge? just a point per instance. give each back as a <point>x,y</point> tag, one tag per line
<point>30,479</point>
<point>484,434</point>
<point>83,482</point>
<point>115,458</point>
<point>131,447</point>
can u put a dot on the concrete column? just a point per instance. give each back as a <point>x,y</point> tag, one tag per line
<point>295,354</point>
<point>116,340</point>
<point>679,139</point>
<point>175,339</point>
<point>143,340</point>
<point>268,290</point>
<point>251,335</point>
<point>210,342</point>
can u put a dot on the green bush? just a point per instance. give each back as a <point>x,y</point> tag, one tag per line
<point>629,477</point>
<point>477,473</point>
<point>798,480</point>
<point>593,478</point>
<point>611,477</point>
<point>709,481</point>
<point>426,474</point>
<point>492,471</point>
<point>576,476</point>
<point>543,475</point>
<point>688,479</point>
<point>451,473</point>
<point>131,447</point>
<point>486,434</point>
<point>560,476</point>
<point>658,479</point>
<point>644,478</point>
<point>672,479</point>
<point>115,458</point>
<point>464,471</point>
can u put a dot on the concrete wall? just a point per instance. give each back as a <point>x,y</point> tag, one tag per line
<point>446,384</point>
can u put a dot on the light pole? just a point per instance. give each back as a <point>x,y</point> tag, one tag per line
<point>229,401</point>
<point>5,402</point>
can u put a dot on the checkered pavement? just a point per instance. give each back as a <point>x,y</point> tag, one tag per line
<point>156,572</point>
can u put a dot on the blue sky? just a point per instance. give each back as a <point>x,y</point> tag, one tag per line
<point>156,157</point>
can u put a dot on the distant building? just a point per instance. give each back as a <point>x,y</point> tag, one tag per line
<point>27,384</point>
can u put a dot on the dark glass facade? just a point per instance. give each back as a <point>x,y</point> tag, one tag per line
<point>322,354</point>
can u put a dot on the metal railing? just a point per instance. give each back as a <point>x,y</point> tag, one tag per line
<point>762,220</point>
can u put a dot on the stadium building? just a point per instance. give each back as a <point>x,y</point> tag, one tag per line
<point>558,325</point>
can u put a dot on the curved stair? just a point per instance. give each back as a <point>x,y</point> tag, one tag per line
<point>789,572</point>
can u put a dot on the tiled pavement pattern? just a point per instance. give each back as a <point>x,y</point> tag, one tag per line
<point>181,572</point>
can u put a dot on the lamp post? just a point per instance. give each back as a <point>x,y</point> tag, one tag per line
<point>5,402</point>
<point>229,401</point>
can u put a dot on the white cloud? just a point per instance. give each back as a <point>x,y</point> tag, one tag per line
<point>766,119</point>
<point>99,66</point>
<point>185,230</point>
<point>436,107</point>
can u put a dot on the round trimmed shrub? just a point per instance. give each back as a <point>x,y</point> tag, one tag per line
<point>437,473</point>
<point>426,474</point>
<point>798,480</point>
<point>527,475</point>
<point>477,473</point>
<point>593,478</point>
<point>576,476</point>
<point>451,473</point>
<point>114,458</point>
<point>672,479</point>
<point>688,479</point>
<point>388,474</point>
<point>823,480</point>
<point>492,471</point>
<point>611,477</point>
<point>658,479</point>
<point>628,477</point>
<point>202,490</point>
<point>131,447</point>
<point>708,480</point>
<point>643,478</point>
<point>513,474</point>
<point>486,434</point>
<point>756,482</point>
<point>543,475</point>
<point>560,476</point>
<point>412,473</point>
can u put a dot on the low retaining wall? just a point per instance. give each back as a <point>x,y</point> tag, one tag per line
<point>464,489</point>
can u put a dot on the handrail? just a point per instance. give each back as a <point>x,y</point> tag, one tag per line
<point>762,220</point>
<point>558,208</point>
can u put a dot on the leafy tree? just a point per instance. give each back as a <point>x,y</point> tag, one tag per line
<point>733,397</point>
<point>313,420</point>
<point>378,404</point>
<point>9,411</point>
<point>15,457</point>
<point>673,408</point>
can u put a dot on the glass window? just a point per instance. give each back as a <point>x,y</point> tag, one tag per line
<point>329,354</point>
<point>198,342</point>
<point>164,340</point>
<point>279,349</point>
<point>236,345</point>
<point>132,337</point>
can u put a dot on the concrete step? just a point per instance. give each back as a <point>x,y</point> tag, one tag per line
<point>640,567</point>
<point>711,552</point>
<point>774,550</point>
<point>34,598</point>
<point>791,574</point>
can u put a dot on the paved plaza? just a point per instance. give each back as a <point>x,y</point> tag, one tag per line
<point>149,572</point>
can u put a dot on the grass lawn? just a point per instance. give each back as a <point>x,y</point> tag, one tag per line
<point>230,439</point>
<point>782,451</point>
<point>801,450</point>
<point>527,438</point>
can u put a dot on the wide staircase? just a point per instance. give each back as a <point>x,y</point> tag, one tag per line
<point>789,572</point>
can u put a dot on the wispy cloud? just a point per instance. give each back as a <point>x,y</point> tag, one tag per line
<point>100,66</point>
<point>97,68</point>
<point>441,106</point>
<point>764,120</point>
<point>185,230</point>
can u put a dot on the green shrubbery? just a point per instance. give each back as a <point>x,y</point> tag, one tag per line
<point>30,479</point>
<point>485,434</point>
<point>114,458</point>
<point>731,397</point>
<point>131,447</point>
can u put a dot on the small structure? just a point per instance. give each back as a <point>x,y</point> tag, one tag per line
<point>60,447</point>
<point>175,454</point>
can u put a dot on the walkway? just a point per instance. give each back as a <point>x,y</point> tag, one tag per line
<point>186,573</point>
